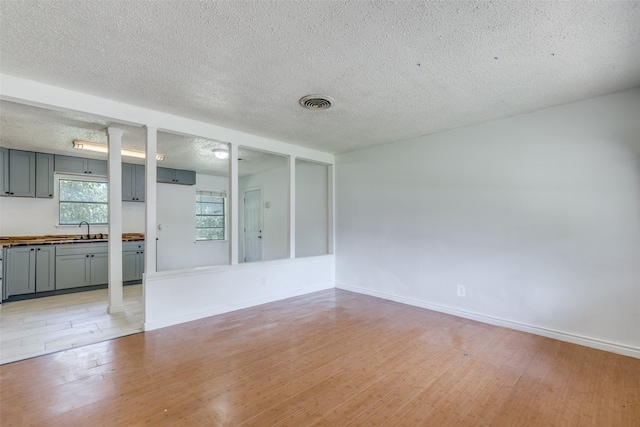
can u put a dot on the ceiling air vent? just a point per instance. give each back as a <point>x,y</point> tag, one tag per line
<point>316,102</point>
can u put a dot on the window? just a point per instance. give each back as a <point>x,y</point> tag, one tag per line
<point>83,201</point>
<point>210,215</point>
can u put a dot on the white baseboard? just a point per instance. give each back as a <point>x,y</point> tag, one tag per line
<point>149,326</point>
<point>537,330</point>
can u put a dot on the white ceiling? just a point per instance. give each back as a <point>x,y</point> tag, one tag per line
<point>395,69</point>
<point>47,131</point>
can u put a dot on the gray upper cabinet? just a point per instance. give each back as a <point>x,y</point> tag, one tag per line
<point>67,164</point>
<point>176,176</point>
<point>22,173</point>
<point>185,177</point>
<point>97,167</point>
<point>132,183</point>
<point>4,172</point>
<point>44,175</point>
<point>79,165</point>
<point>165,175</point>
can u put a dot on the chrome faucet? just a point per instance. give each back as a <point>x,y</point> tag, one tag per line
<point>88,232</point>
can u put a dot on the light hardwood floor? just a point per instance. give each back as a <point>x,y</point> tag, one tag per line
<point>44,325</point>
<point>331,358</point>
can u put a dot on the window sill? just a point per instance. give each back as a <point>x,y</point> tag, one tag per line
<point>77,226</point>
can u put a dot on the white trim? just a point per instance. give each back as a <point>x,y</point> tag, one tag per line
<point>211,241</point>
<point>149,326</point>
<point>79,177</point>
<point>218,193</point>
<point>114,167</point>
<point>58,176</point>
<point>247,265</point>
<point>291,163</point>
<point>234,205</point>
<point>17,89</point>
<point>519,326</point>
<point>222,194</point>
<point>185,295</point>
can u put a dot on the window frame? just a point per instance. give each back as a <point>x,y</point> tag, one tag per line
<point>221,194</point>
<point>68,177</point>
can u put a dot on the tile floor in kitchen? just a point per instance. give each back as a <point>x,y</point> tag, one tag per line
<point>45,325</point>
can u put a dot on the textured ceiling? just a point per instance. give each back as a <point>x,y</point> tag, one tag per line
<point>395,69</point>
<point>46,131</point>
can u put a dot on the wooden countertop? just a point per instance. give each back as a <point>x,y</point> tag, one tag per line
<point>57,239</point>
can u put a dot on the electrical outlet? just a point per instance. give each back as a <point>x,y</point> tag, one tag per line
<point>461,291</point>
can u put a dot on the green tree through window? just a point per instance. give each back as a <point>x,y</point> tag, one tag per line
<point>210,215</point>
<point>83,201</point>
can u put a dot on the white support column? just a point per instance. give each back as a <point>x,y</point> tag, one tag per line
<point>292,207</point>
<point>115,220</point>
<point>331,215</point>
<point>234,214</point>
<point>150,203</point>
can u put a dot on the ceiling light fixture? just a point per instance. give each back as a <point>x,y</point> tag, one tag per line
<point>221,153</point>
<point>101,148</point>
<point>316,102</point>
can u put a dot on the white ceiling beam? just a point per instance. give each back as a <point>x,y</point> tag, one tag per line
<point>16,89</point>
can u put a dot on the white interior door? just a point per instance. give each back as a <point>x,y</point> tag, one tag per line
<point>253,225</point>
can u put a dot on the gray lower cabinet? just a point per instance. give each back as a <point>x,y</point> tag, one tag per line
<point>83,264</point>
<point>21,271</point>
<point>132,261</point>
<point>45,268</point>
<point>99,268</point>
<point>42,268</point>
<point>72,271</point>
<point>30,269</point>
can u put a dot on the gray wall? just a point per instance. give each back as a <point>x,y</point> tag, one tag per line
<point>312,209</point>
<point>537,215</point>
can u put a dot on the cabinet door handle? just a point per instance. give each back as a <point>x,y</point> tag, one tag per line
<point>31,248</point>
<point>11,193</point>
<point>87,255</point>
<point>91,256</point>
<point>38,248</point>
